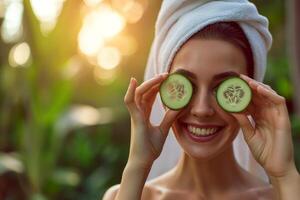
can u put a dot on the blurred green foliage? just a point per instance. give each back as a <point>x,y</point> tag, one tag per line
<point>41,160</point>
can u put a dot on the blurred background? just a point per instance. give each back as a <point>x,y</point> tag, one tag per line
<point>64,70</point>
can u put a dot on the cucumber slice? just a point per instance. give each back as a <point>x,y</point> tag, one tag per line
<point>234,95</point>
<point>176,91</point>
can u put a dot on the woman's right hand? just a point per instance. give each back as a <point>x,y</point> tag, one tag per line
<point>146,141</point>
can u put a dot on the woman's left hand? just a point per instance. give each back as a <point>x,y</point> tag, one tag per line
<point>270,139</point>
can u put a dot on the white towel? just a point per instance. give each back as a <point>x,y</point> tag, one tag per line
<point>177,21</point>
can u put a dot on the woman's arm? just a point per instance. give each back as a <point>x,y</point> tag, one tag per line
<point>270,138</point>
<point>287,187</point>
<point>146,141</point>
<point>133,181</point>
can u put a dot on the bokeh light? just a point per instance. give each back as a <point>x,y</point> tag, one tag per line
<point>109,58</point>
<point>133,11</point>
<point>89,42</point>
<point>72,67</point>
<point>11,29</point>
<point>105,21</point>
<point>127,44</point>
<point>11,161</point>
<point>92,2</point>
<point>47,12</point>
<point>104,76</point>
<point>99,25</point>
<point>2,9</point>
<point>19,55</point>
<point>85,115</point>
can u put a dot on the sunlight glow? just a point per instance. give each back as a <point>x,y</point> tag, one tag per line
<point>105,21</point>
<point>133,11</point>
<point>2,9</point>
<point>85,115</point>
<point>47,12</point>
<point>19,54</point>
<point>92,2</point>
<point>127,44</point>
<point>11,30</point>
<point>109,57</point>
<point>99,25</point>
<point>89,42</point>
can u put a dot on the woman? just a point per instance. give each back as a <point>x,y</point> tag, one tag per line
<point>208,169</point>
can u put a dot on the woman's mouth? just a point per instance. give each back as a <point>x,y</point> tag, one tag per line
<point>201,133</point>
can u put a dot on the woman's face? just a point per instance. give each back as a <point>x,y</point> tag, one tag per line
<point>203,129</point>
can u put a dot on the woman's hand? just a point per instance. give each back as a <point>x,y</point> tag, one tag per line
<point>270,139</point>
<point>146,140</point>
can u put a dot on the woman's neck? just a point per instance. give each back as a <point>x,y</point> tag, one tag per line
<point>207,177</point>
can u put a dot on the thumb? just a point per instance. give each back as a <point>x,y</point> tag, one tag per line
<point>168,120</point>
<point>246,126</point>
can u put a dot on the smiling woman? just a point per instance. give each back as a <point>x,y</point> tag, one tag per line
<point>210,61</point>
<point>207,48</point>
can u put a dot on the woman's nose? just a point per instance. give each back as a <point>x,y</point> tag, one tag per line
<point>201,105</point>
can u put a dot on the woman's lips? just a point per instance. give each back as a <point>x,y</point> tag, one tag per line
<point>200,138</point>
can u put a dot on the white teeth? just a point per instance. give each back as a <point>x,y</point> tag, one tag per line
<point>201,131</point>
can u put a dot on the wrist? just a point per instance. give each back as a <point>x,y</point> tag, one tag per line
<point>291,175</point>
<point>287,186</point>
<point>133,179</point>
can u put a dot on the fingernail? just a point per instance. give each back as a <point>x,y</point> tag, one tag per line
<point>244,76</point>
<point>132,79</point>
<point>164,74</point>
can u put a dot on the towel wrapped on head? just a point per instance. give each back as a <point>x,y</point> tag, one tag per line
<point>177,21</point>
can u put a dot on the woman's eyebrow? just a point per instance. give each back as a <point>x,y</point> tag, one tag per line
<point>224,75</point>
<point>220,76</point>
<point>187,73</point>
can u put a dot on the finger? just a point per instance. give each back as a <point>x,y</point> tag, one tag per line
<point>274,97</point>
<point>250,110</point>
<point>250,80</point>
<point>266,86</point>
<point>260,101</point>
<point>246,126</point>
<point>263,90</point>
<point>168,120</point>
<point>129,96</point>
<point>151,93</point>
<point>254,83</point>
<point>148,85</point>
<point>148,100</point>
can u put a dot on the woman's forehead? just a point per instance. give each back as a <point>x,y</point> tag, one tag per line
<point>209,57</point>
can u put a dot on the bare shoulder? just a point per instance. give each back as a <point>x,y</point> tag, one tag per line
<point>162,188</point>
<point>265,192</point>
<point>256,188</point>
<point>111,193</point>
<point>261,193</point>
